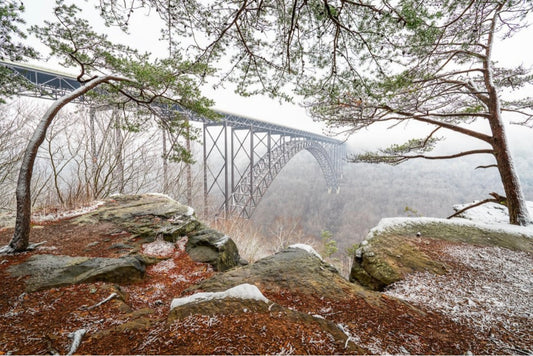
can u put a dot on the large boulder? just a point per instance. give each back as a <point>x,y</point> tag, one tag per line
<point>155,215</point>
<point>146,215</point>
<point>210,246</point>
<point>396,247</point>
<point>49,271</point>
<point>295,269</point>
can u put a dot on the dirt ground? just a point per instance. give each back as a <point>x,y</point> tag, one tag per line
<point>135,321</point>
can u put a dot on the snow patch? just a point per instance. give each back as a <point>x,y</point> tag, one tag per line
<point>242,291</point>
<point>159,248</point>
<point>489,213</point>
<point>221,241</point>
<point>162,195</point>
<point>58,215</point>
<point>387,224</point>
<point>307,248</point>
<point>164,266</point>
<point>190,211</point>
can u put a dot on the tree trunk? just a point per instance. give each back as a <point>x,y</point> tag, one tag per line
<point>165,161</point>
<point>119,151</point>
<point>516,203</point>
<point>20,240</point>
<point>94,154</point>
<point>188,167</point>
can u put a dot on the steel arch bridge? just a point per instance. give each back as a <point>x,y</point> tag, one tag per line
<point>241,156</point>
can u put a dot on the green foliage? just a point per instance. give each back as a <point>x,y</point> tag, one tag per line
<point>411,212</point>
<point>329,246</point>
<point>398,153</point>
<point>10,49</point>
<point>351,251</point>
<point>10,20</point>
<point>149,87</point>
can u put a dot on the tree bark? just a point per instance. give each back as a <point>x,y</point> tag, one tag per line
<point>20,240</point>
<point>165,161</point>
<point>119,151</point>
<point>94,154</point>
<point>516,203</point>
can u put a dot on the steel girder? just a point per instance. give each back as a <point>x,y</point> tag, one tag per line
<point>241,162</point>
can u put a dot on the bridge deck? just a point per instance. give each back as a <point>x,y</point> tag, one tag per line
<point>54,84</point>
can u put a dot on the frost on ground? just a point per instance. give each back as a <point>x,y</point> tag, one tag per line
<point>159,248</point>
<point>491,288</point>
<point>58,215</point>
<point>242,291</point>
<point>7,219</point>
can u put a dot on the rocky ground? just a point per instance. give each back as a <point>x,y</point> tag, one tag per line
<point>431,300</point>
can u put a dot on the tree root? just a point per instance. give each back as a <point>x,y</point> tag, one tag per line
<point>8,250</point>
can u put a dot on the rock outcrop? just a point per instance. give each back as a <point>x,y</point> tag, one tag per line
<point>155,215</point>
<point>49,271</point>
<point>292,269</point>
<point>395,247</point>
<point>210,246</point>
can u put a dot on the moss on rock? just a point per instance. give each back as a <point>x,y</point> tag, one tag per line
<point>390,251</point>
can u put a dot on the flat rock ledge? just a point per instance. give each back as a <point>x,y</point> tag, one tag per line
<point>392,249</point>
<point>50,271</point>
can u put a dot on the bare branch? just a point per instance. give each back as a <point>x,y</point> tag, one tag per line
<point>490,200</point>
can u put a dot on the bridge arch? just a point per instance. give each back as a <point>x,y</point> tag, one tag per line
<point>257,179</point>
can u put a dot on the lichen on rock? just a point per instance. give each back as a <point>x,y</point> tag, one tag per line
<point>49,271</point>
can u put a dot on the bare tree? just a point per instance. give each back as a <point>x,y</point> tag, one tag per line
<point>16,117</point>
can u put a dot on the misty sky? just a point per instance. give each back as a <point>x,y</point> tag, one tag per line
<point>144,29</point>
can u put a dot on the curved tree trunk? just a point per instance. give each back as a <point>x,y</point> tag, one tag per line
<point>20,239</point>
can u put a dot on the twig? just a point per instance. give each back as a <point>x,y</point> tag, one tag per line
<point>76,337</point>
<point>111,296</point>
<point>34,246</point>
<point>490,200</point>
<point>519,351</point>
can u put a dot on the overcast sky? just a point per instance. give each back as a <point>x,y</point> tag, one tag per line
<point>144,31</point>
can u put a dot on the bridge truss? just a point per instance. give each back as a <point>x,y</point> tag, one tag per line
<point>241,156</point>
